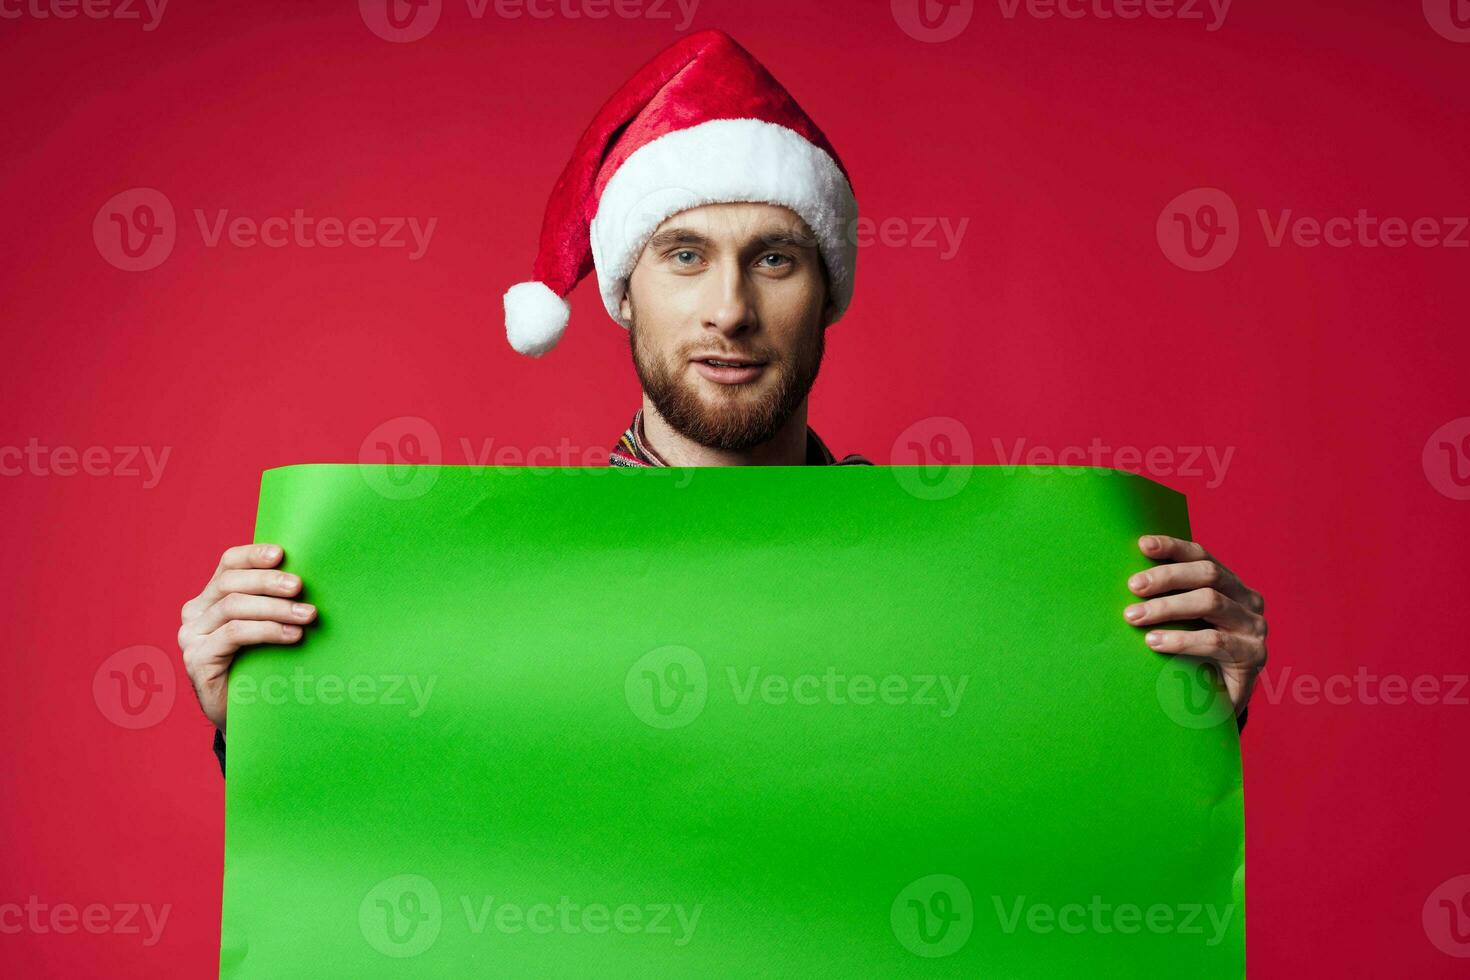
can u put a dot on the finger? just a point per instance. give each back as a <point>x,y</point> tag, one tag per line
<point>1211,605</point>
<point>1179,576</point>
<point>1240,659</point>
<point>225,642</point>
<point>1216,645</point>
<point>240,606</point>
<point>263,555</point>
<point>240,556</point>
<point>1165,548</point>
<point>259,581</point>
<point>252,581</point>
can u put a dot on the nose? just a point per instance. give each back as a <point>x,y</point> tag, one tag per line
<point>728,307</point>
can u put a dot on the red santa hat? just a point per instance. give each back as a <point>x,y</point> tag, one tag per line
<point>702,123</point>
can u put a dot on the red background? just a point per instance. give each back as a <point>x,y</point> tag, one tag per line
<point>1059,320</point>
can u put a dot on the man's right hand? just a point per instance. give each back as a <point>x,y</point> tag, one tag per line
<point>247,601</point>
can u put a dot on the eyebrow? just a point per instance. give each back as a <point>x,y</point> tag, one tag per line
<point>688,236</point>
<point>677,236</point>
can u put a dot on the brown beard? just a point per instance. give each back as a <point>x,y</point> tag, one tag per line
<point>741,422</point>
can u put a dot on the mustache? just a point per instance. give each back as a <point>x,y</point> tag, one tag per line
<point>688,352</point>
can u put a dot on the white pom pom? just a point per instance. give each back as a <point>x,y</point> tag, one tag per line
<point>535,317</point>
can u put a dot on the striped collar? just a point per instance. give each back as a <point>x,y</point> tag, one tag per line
<point>633,449</point>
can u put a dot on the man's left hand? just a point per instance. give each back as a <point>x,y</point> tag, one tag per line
<point>1209,591</point>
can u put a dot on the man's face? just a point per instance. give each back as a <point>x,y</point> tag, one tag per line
<point>742,284</point>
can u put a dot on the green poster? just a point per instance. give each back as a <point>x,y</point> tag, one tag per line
<point>726,722</point>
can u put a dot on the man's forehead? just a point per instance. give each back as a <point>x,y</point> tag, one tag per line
<point>740,222</point>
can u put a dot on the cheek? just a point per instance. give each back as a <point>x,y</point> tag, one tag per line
<point>661,303</point>
<point>790,317</point>
<point>652,345</point>
<point>656,338</point>
<point>797,299</point>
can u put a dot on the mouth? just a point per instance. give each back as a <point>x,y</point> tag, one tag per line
<point>729,370</point>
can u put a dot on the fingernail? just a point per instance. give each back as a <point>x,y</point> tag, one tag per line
<point>291,632</point>
<point>1138,581</point>
<point>301,609</point>
<point>1154,639</point>
<point>1150,543</point>
<point>1133,613</point>
<point>271,551</point>
<point>289,582</point>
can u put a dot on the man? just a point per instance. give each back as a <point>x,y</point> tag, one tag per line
<point>718,219</point>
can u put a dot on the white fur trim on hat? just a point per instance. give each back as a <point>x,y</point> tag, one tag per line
<point>535,317</point>
<point>717,162</point>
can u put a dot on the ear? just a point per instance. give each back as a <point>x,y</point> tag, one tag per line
<point>829,308</point>
<point>829,313</point>
<point>625,305</point>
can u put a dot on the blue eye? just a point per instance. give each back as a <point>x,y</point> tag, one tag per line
<point>776,255</point>
<point>683,251</point>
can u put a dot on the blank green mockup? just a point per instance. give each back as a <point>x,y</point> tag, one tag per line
<point>726,722</point>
